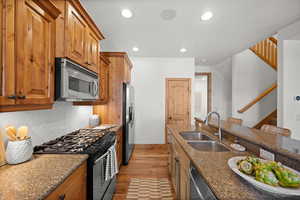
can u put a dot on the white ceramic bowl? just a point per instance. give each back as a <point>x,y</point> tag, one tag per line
<point>18,151</point>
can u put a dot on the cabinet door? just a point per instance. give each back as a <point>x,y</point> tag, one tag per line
<point>104,81</point>
<point>92,51</point>
<point>73,188</point>
<point>35,54</point>
<point>7,66</point>
<point>75,35</point>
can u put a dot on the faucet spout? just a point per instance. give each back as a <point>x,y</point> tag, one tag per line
<point>219,122</point>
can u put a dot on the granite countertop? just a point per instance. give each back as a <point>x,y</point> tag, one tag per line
<point>38,177</point>
<point>225,184</point>
<point>275,142</point>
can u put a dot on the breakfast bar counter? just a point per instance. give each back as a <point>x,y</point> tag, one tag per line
<point>224,183</point>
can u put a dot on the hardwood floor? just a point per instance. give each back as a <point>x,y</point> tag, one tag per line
<point>148,161</point>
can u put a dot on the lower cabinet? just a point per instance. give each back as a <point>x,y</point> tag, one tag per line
<point>73,188</point>
<point>179,165</point>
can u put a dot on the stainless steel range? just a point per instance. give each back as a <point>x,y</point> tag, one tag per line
<point>96,144</point>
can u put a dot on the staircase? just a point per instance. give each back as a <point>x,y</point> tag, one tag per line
<point>267,51</point>
<point>271,119</point>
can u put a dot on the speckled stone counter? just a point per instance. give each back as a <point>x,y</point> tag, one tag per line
<point>281,144</point>
<point>38,177</point>
<point>225,184</point>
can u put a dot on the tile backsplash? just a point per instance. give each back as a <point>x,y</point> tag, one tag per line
<point>45,125</point>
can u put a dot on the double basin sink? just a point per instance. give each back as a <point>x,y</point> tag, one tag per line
<point>202,142</point>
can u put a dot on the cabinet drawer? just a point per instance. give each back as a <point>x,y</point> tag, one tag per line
<point>73,188</point>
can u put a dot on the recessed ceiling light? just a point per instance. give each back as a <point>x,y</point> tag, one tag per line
<point>135,49</point>
<point>126,13</point>
<point>207,16</point>
<point>183,50</point>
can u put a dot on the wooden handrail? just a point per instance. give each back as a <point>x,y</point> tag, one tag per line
<point>267,51</point>
<point>273,40</point>
<point>258,98</point>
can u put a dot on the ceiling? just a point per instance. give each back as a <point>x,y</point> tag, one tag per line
<point>236,25</point>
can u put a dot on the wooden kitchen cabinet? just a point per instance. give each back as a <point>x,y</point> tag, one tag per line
<point>75,35</point>
<point>104,79</point>
<point>178,158</point>
<point>28,58</point>
<point>81,41</point>
<point>92,50</point>
<point>111,112</point>
<point>73,188</point>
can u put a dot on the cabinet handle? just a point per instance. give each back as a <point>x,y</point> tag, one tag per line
<point>22,97</point>
<point>61,197</point>
<point>12,97</point>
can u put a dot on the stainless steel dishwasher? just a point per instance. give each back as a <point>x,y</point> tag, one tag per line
<point>199,189</point>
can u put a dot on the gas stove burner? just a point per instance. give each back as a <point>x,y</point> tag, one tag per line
<point>75,142</point>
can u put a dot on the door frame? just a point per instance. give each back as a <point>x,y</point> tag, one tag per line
<point>167,103</point>
<point>209,88</point>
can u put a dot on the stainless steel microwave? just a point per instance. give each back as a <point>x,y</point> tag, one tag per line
<point>74,82</point>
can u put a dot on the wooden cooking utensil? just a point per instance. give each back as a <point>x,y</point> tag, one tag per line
<point>22,132</point>
<point>2,151</point>
<point>11,133</point>
<point>11,130</point>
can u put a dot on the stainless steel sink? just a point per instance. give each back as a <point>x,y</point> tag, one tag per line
<point>210,146</point>
<point>194,135</point>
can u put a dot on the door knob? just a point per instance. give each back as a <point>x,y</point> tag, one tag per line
<point>170,118</point>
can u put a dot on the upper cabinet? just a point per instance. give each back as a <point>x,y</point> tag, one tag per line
<point>92,50</point>
<point>81,41</point>
<point>104,79</point>
<point>75,35</point>
<point>35,42</point>
<point>27,54</point>
<point>33,33</point>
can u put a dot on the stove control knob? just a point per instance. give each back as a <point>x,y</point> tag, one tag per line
<point>62,197</point>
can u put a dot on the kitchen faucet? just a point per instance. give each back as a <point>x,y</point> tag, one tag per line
<point>219,122</point>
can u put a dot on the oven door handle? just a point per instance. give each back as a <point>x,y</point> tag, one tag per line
<point>100,158</point>
<point>195,184</point>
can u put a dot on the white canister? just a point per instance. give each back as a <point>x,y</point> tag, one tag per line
<point>19,151</point>
<point>94,120</point>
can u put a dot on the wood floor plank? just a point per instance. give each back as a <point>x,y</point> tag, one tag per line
<point>147,161</point>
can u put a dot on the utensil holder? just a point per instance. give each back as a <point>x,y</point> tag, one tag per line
<point>19,151</point>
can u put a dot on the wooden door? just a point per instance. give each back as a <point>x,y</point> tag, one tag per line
<point>75,35</point>
<point>35,53</point>
<point>7,48</point>
<point>91,51</point>
<point>178,101</point>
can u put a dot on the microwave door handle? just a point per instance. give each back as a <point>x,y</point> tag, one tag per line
<point>95,88</point>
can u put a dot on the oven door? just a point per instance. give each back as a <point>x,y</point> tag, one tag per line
<point>102,188</point>
<point>77,83</point>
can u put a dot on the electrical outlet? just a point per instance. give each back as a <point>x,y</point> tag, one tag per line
<point>266,154</point>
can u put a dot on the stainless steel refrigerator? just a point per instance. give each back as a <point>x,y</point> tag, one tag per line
<point>128,122</point>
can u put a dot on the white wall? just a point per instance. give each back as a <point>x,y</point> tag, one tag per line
<point>290,84</point>
<point>45,125</point>
<point>221,86</point>
<point>250,77</point>
<point>148,79</point>
<point>291,32</point>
